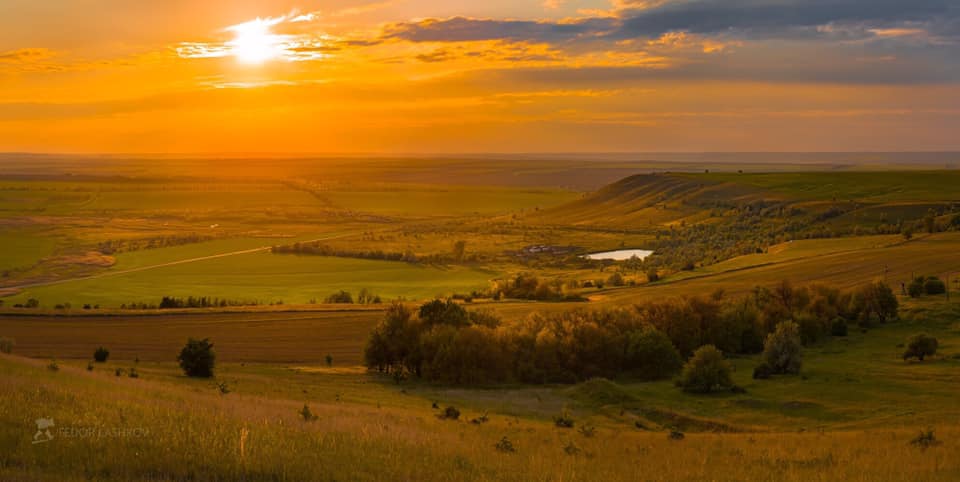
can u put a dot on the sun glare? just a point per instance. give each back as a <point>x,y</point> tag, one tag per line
<point>254,43</point>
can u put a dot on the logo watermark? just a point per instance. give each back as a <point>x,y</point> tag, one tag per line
<point>47,430</point>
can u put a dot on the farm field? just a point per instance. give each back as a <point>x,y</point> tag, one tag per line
<point>264,278</point>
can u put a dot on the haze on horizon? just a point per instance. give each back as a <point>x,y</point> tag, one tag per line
<point>498,76</point>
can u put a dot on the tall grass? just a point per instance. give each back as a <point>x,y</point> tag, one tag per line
<point>191,431</point>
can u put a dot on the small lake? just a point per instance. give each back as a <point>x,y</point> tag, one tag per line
<point>620,255</point>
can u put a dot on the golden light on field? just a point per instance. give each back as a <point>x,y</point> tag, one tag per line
<point>255,43</point>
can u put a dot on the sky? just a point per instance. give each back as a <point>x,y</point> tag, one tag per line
<point>444,76</point>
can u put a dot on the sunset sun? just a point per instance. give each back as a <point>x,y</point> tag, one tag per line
<point>254,42</point>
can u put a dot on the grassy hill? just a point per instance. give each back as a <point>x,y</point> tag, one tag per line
<point>850,417</point>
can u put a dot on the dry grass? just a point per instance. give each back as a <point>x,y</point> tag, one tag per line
<point>192,432</point>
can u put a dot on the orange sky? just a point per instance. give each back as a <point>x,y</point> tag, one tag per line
<point>495,76</point>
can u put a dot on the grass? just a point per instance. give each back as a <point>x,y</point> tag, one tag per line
<point>449,201</point>
<point>266,278</point>
<point>858,186</point>
<point>164,426</point>
<point>23,247</point>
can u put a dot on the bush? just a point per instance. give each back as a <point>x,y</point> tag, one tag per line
<point>706,372</point>
<point>505,445</point>
<point>53,366</point>
<point>783,350</point>
<point>920,346</point>
<point>564,420</point>
<point>341,297</point>
<point>133,373</point>
<point>307,415</point>
<point>926,439</point>
<point>650,354</point>
<point>449,413</point>
<point>934,286</point>
<point>762,371</point>
<point>926,286</point>
<point>101,354</point>
<point>197,358</point>
<point>838,327</point>
<point>6,345</point>
<point>616,279</point>
<point>653,276</point>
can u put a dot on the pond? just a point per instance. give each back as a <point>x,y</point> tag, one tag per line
<point>620,255</point>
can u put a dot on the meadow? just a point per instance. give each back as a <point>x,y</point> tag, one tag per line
<point>88,240</point>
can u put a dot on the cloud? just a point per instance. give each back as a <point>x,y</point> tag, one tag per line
<point>463,29</point>
<point>27,55</point>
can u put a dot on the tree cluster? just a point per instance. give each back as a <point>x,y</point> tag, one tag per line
<point>444,342</point>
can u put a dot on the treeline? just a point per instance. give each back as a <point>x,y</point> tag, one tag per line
<point>527,286</point>
<point>190,302</point>
<point>445,343</point>
<point>320,249</point>
<point>114,246</point>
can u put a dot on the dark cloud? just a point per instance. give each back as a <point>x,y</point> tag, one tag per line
<point>462,29</point>
<point>789,19</point>
<point>729,16</point>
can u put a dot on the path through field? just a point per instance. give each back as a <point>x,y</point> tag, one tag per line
<point>162,265</point>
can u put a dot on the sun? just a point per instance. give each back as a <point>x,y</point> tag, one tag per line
<point>254,43</point>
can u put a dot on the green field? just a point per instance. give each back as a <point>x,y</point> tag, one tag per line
<point>265,278</point>
<point>858,186</point>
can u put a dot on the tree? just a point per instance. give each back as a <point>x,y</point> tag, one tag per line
<point>101,354</point>
<point>340,297</point>
<point>920,346</point>
<point>616,279</point>
<point>197,358</point>
<point>783,350</point>
<point>651,355</point>
<point>459,248</point>
<point>706,372</point>
<point>438,312</point>
<point>934,286</point>
<point>393,342</point>
<point>875,302</point>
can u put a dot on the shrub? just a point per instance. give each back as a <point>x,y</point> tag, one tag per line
<point>53,366</point>
<point>307,415</point>
<point>762,371</point>
<point>119,372</point>
<point>564,420</point>
<point>916,289</point>
<point>505,445</point>
<point>89,366</point>
<point>926,439</point>
<point>133,373</point>
<point>920,346</point>
<point>588,431</point>
<point>783,350</point>
<point>197,358</point>
<point>616,279</point>
<point>329,360</point>
<point>101,354</point>
<point>838,327</point>
<point>449,413</point>
<point>6,345</point>
<point>653,276</point>
<point>934,286</point>
<point>706,372</point>
<point>650,354</point>
<point>340,297</point>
